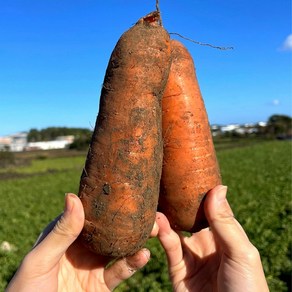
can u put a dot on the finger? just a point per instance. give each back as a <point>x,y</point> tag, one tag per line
<point>51,248</point>
<point>169,240</point>
<point>226,229</point>
<point>47,230</point>
<point>124,268</point>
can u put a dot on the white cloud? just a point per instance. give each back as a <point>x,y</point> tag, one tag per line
<point>287,45</point>
<point>275,102</point>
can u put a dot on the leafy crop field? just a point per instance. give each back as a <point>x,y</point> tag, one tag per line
<point>258,176</point>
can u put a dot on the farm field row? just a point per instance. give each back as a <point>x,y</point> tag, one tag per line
<point>258,177</point>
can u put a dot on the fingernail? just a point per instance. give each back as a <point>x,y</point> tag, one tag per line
<point>146,253</point>
<point>221,194</point>
<point>68,203</point>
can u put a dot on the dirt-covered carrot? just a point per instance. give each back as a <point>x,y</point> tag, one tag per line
<point>119,186</point>
<point>190,167</point>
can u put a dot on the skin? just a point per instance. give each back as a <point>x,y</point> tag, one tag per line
<point>58,262</point>
<point>217,259</point>
<point>190,167</point>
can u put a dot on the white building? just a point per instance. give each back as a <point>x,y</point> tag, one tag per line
<point>230,128</point>
<point>5,143</point>
<point>48,145</point>
<point>60,142</point>
<point>18,142</point>
<point>15,143</point>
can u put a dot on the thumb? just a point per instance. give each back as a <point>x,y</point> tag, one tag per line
<point>227,231</point>
<point>61,233</point>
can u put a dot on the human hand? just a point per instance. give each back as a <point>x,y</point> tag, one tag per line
<point>219,258</point>
<point>60,263</point>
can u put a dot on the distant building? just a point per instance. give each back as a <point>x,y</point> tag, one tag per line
<point>18,142</point>
<point>47,145</point>
<point>15,143</point>
<point>5,143</point>
<point>215,129</point>
<point>69,138</point>
<point>262,124</point>
<point>60,142</point>
<point>230,128</point>
<point>245,129</point>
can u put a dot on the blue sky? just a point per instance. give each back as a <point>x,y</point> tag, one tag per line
<point>53,57</point>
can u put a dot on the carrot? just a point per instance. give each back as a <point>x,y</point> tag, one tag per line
<point>190,167</point>
<point>119,186</point>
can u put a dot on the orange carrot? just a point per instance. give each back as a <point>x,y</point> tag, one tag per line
<point>119,186</point>
<point>190,167</point>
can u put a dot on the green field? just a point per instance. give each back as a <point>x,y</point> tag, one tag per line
<point>258,176</point>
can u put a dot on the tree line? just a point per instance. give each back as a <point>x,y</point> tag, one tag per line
<point>278,126</point>
<point>82,136</point>
<point>51,133</point>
